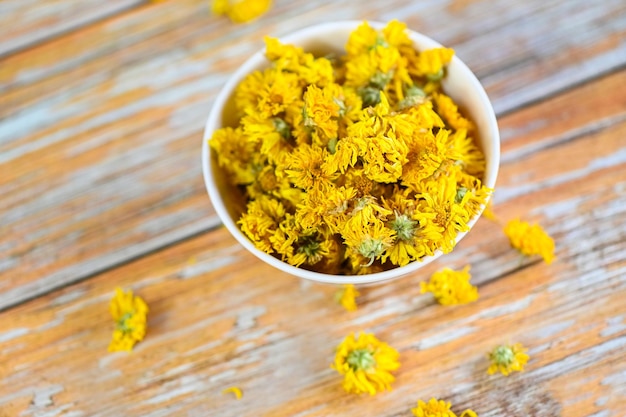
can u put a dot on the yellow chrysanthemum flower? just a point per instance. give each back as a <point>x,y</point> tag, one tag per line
<point>269,136</point>
<point>450,113</point>
<point>465,152</point>
<point>325,205</point>
<point>440,197</point>
<point>271,182</point>
<point>414,238</point>
<point>281,89</point>
<point>292,55</point>
<point>347,297</point>
<point>363,39</point>
<point>321,109</point>
<point>234,154</point>
<point>415,231</point>
<point>507,359</point>
<point>530,239</point>
<point>241,11</point>
<point>292,59</point>
<point>366,364</point>
<point>438,408</point>
<point>430,63</point>
<point>451,287</point>
<point>395,34</point>
<point>383,157</point>
<point>370,240</point>
<point>375,68</point>
<point>130,315</point>
<point>261,220</point>
<point>427,155</point>
<point>297,246</point>
<point>304,167</point>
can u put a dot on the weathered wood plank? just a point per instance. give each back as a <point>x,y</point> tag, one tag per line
<point>99,161</point>
<point>514,47</point>
<point>27,22</point>
<point>219,317</point>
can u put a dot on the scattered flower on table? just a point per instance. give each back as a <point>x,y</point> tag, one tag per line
<point>530,239</point>
<point>438,408</point>
<point>451,287</point>
<point>366,364</point>
<point>241,11</point>
<point>352,165</point>
<point>235,390</point>
<point>507,359</point>
<point>129,313</point>
<point>347,297</point>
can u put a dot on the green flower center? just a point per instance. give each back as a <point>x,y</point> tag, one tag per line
<point>361,359</point>
<point>380,41</point>
<point>332,145</point>
<point>381,79</point>
<point>460,193</point>
<point>413,95</point>
<point>370,96</point>
<point>311,249</point>
<point>282,127</point>
<point>436,77</point>
<point>371,248</point>
<point>404,227</point>
<point>122,323</point>
<point>503,355</point>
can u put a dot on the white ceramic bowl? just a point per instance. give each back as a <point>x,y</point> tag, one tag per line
<point>459,83</point>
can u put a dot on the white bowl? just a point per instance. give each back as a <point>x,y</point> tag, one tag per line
<point>460,84</point>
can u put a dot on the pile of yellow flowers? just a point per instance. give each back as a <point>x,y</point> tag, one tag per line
<point>352,165</point>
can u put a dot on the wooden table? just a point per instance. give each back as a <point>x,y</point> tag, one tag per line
<point>102,107</point>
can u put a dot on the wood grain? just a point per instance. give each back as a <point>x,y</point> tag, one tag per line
<point>219,317</point>
<point>99,141</point>
<point>27,22</point>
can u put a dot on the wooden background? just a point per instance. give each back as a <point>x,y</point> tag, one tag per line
<point>102,106</point>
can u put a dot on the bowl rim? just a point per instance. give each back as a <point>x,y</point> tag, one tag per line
<point>258,60</point>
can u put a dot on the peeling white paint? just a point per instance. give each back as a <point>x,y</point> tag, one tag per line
<point>561,208</point>
<point>552,329</point>
<point>506,309</point>
<point>601,402</point>
<point>580,359</point>
<point>54,412</point>
<point>203,348</point>
<point>244,347</point>
<point>444,337</point>
<point>603,413</point>
<point>229,373</point>
<point>42,401</point>
<point>614,325</point>
<point>13,334</point>
<point>68,297</point>
<point>617,379</point>
<point>390,306</point>
<point>205,267</point>
<point>305,285</point>
<point>246,319</point>
<point>506,193</point>
<point>188,384</point>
